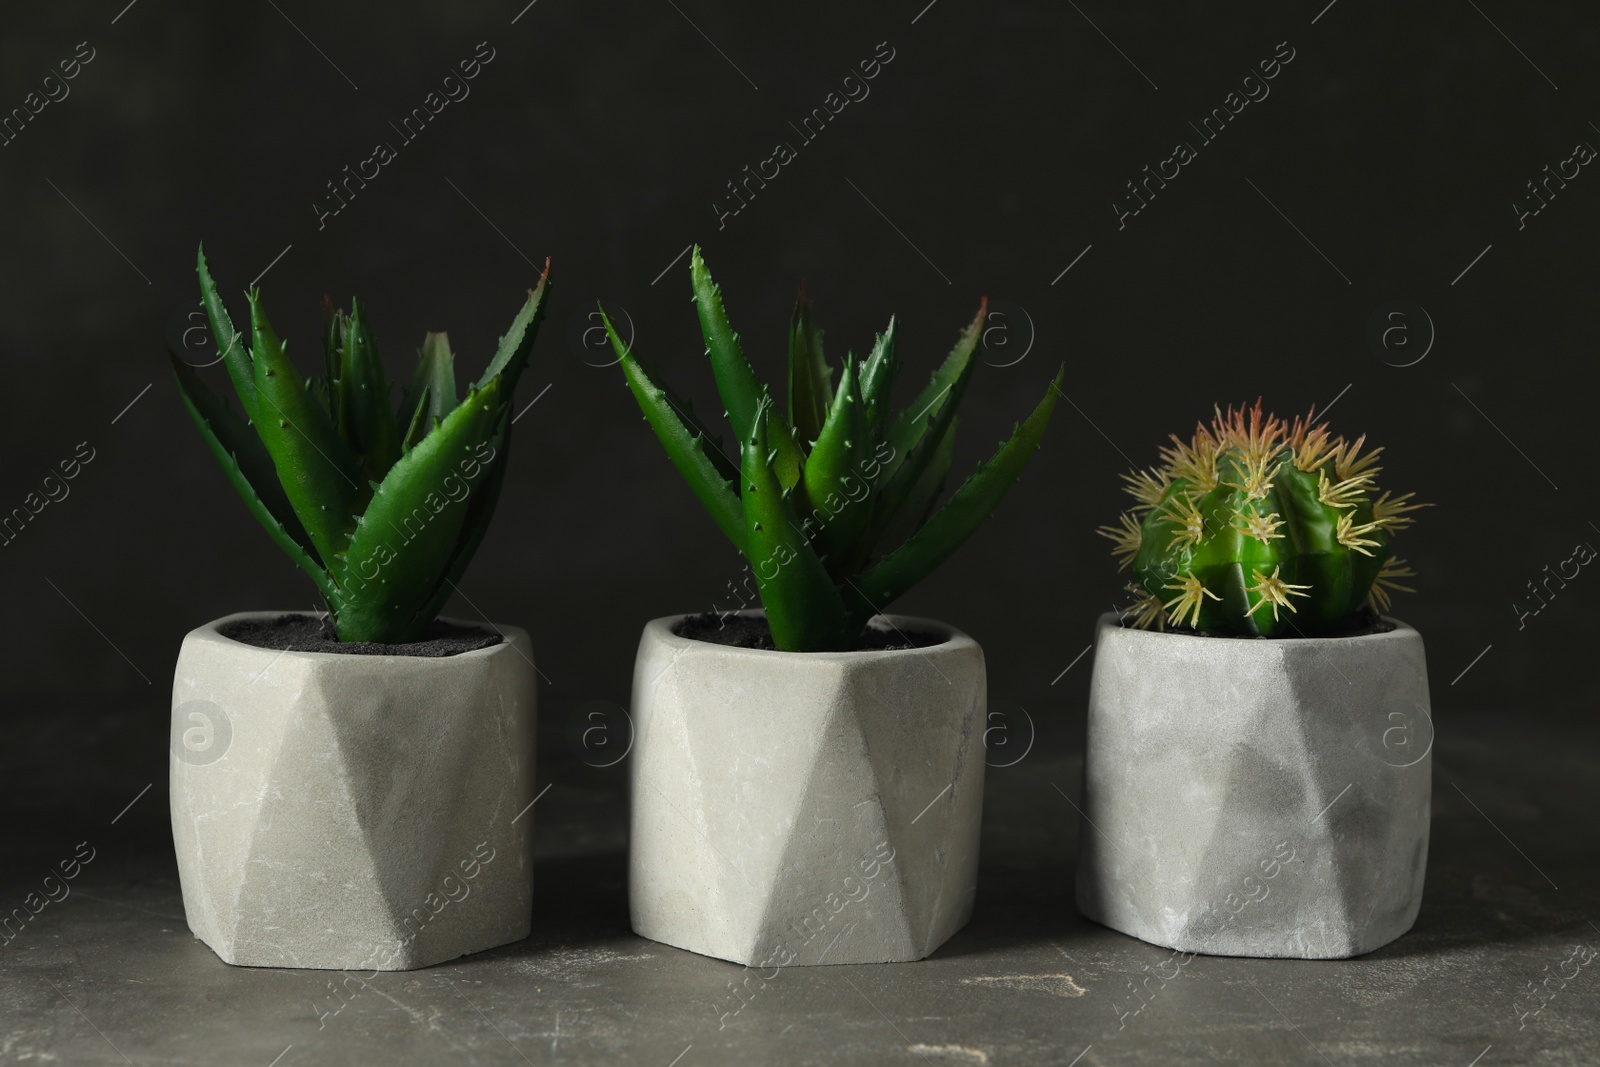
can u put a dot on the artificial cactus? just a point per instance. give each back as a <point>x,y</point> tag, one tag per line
<point>1263,527</point>
<point>816,493</point>
<point>382,509</point>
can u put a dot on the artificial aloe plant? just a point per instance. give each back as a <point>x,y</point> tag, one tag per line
<point>1258,526</point>
<point>816,495</point>
<point>383,509</point>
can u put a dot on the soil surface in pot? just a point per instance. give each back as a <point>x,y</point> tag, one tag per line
<point>744,631</point>
<point>306,633</point>
<point>1362,623</point>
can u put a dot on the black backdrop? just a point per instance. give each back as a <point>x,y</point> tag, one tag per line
<point>984,158</point>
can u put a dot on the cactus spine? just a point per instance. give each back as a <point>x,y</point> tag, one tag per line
<point>1262,527</point>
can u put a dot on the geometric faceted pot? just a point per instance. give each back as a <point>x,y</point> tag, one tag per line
<point>1256,797</point>
<point>797,808</point>
<point>349,811</point>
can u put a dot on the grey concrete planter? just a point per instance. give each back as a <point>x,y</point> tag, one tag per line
<point>352,812</point>
<point>805,808</point>
<point>1256,797</point>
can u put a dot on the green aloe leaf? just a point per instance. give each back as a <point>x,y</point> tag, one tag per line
<point>802,604</point>
<point>319,460</point>
<point>942,393</point>
<point>420,422</point>
<point>969,506</point>
<point>741,393</point>
<point>320,476</point>
<point>480,509</point>
<point>905,470</point>
<point>490,474</point>
<point>698,456</point>
<point>836,480</point>
<point>409,533</point>
<point>318,388</point>
<point>511,355</point>
<point>877,379</point>
<point>810,380</point>
<point>366,422</point>
<point>923,496</point>
<point>788,459</point>
<point>335,325</point>
<point>736,382</point>
<point>249,470</point>
<point>229,341</point>
<point>432,392</point>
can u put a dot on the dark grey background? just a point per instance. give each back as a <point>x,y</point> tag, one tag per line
<point>996,141</point>
<point>985,161</point>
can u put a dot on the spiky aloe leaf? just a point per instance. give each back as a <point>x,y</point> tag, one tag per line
<point>365,419</point>
<point>927,427</point>
<point>249,470</point>
<point>480,509</point>
<point>229,341</point>
<point>318,388</point>
<point>804,609</point>
<point>409,532</point>
<point>511,355</point>
<point>698,456</point>
<point>877,378</point>
<point>301,478</point>
<point>943,392</point>
<point>741,393</point>
<point>319,474</point>
<point>812,595</point>
<point>969,506</point>
<point>835,475</point>
<point>420,423</point>
<point>334,327</point>
<point>810,380</point>
<point>432,392</point>
<point>486,467</point>
<point>736,382</point>
<point>924,495</point>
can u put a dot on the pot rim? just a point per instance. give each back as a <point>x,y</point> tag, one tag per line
<point>1108,621</point>
<point>510,636</point>
<point>954,639</point>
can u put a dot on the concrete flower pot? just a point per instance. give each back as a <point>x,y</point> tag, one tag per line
<point>1256,797</point>
<point>349,811</point>
<point>804,808</point>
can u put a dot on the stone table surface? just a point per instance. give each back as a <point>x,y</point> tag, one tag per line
<point>111,975</point>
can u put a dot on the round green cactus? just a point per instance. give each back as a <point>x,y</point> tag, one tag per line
<point>1262,527</point>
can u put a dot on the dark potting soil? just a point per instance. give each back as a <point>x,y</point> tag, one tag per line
<point>305,633</point>
<point>1362,623</point>
<point>746,631</point>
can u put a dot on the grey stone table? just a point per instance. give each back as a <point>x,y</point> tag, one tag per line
<point>109,974</point>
